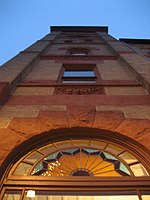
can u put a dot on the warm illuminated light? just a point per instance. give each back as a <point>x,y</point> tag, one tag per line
<point>76,157</point>
<point>31,193</point>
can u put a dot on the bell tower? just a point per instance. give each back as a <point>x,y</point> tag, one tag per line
<point>76,78</point>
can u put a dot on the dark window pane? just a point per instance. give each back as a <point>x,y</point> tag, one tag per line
<point>79,81</point>
<point>78,53</point>
<point>79,74</point>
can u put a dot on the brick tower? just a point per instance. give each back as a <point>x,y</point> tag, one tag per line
<point>87,94</point>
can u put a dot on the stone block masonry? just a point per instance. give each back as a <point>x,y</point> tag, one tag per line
<point>29,121</point>
<point>139,65</point>
<point>34,100</point>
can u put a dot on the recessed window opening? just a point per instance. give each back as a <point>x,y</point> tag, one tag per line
<point>88,40</point>
<point>68,41</point>
<point>79,51</point>
<point>79,54</point>
<point>79,75</point>
<point>78,36</point>
<point>79,81</point>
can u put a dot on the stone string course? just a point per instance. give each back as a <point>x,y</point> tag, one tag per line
<point>7,113</point>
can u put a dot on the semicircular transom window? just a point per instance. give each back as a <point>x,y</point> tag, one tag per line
<point>80,158</point>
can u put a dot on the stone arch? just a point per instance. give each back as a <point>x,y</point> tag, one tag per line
<point>21,130</point>
<point>77,133</point>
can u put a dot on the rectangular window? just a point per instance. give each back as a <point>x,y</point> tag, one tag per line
<point>78,52</point>
<point>88,40</point>
<point>78,74</point>
<point>68,41</point>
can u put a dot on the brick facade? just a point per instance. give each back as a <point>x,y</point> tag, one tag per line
<point>34,101</point>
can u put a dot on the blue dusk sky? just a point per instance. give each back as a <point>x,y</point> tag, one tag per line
<point>23,22</point>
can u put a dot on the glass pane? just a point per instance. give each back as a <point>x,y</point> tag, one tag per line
<point>145,197</point>
<point>47,149</point>
<point>98,144</point>
<point>109,157</point>
<point>68,41</point>
<point>103,168</point>
<point>79,73</point>
<point>33,157</point>
<point>80,143</point>
<point>123,168</point>
<point>22,169</point>
<point>45,196</point>
<point>52,156</point>
<point>37,168</point>
<point>65,163</point>
<point>88,40</point>
<point>90,151</point>
<point>79,54</point>
<point>79,81</point>
<point>109,174</point>
<point>117,197</point>
<point>12,195</point>
<point>139,170</point>
<point>70,151</point>
<point>63,144</point>
<point>114,149</point>
<point>128,158</point>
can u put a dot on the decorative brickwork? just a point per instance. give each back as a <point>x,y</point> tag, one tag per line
<point>79,90</point>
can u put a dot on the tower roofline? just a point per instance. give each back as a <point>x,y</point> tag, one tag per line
<point>79,28</point>
<point>135,41</point>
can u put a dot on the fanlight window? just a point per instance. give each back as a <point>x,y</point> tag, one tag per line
<point>84,162</point>
<point>93,158</point>
<point>53,172</point>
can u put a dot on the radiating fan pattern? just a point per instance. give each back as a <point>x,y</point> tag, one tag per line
<point>80,162</point>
